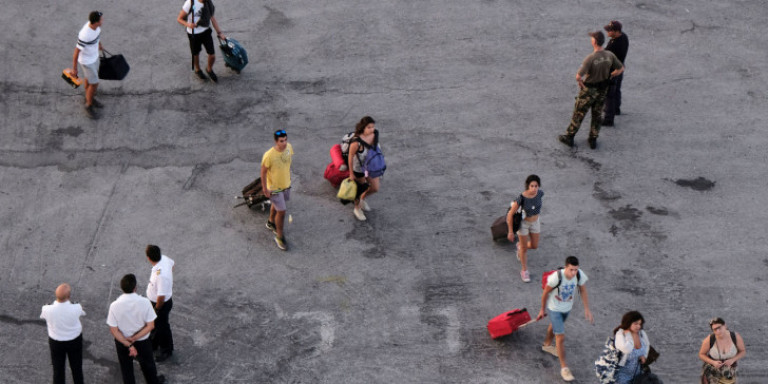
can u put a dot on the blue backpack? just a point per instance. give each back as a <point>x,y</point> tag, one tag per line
<point>374,161</point>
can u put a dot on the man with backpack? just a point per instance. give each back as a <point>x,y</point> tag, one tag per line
<point>197,16</point>
<point>557,298</point>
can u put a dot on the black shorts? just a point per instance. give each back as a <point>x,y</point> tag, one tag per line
<point>358,174</point>
<point>199,40</point>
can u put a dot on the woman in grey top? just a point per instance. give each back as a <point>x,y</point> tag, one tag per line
<point>530,227</point>
<point>366,136</point>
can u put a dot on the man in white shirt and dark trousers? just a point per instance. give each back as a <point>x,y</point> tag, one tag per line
<point>130,320</point>
<point>65,335</point>
<point>159,292</point>
<point>87,54</point>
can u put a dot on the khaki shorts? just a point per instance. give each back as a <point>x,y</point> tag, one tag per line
<point>91,72</point>
<point>529,227</point>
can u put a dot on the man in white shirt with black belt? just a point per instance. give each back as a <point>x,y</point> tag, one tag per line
<point>130,320</point>
<point>65,335</point>
<point>159,292</point>
<point>87,54</point>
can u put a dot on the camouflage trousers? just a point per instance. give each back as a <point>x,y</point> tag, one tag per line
<point>588,98</point>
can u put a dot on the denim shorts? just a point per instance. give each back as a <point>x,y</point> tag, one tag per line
<point>278,199</point>
<point>558,321</point>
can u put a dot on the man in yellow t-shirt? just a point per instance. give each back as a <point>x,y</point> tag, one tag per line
<point>276,183</point>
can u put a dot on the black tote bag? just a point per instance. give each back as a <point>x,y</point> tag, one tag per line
<point>112,67</point>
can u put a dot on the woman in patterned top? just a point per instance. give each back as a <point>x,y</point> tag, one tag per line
<point>530,227</point>
<point>720,351</point>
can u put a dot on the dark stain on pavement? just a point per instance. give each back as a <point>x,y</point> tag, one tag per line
<point>626,212</point>
<point>12,320</point>
<point>657,211</point>
<point>697,184</point>
<point>110,365</point>
<point>601,194</point>
<point>68,131</point>
<point>634,291</point>
<point>276,20</point>
<point>365,233</point>
<point>444,292</point>
<point>594,165</point>
<point>317,87</point>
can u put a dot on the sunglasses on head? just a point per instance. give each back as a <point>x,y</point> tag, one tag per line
<point>281,133</point>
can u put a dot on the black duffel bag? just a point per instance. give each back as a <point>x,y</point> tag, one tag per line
<point>112,67</point>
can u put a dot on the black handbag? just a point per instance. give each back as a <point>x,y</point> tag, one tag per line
<point>112,67</point>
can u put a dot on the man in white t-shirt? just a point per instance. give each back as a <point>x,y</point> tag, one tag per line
<point>160,292</point>
<point>87,54</point>
<point>557,299</point>
<point>130,320</point>
<point>65,335</point>
<point>199,14</point>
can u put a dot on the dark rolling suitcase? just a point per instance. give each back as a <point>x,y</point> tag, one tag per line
<point>235,56</point>
<point>112,67</point>
<point>253,196</point>
<point>508,322</point>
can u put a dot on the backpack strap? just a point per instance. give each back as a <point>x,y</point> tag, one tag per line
<point>560,279</point>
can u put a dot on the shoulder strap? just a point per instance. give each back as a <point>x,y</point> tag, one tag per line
<point>522,201</point>
<point>559,279</point>
<point>712,339</point>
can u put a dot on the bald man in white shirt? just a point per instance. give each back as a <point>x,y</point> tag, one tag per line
<point>65,335</point>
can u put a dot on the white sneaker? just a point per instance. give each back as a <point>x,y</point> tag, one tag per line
<point>365,206</point>
<point>359,214</point>
<point>551,349</point>
<point>566,374</point>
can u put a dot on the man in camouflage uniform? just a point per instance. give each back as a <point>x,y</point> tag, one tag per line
<point>594,77</point>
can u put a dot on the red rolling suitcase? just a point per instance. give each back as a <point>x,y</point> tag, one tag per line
<point>333,172</point>
<point>508,322</point>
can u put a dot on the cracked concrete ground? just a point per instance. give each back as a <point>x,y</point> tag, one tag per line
<point>666,215</point>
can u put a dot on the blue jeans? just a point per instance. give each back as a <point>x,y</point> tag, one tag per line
<point>557,319</point>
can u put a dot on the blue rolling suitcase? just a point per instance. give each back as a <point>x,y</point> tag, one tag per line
<point>235,56</point>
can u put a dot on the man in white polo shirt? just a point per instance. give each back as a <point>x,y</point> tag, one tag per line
<point>65,335</point>
<point>87,54</point>
<point>159,292</point>
<point>130,320</point>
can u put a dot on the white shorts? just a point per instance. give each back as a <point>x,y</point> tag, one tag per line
<point>91,72</point>
<point>529,227</point>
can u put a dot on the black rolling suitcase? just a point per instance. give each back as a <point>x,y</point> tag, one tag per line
<point>235,56</point>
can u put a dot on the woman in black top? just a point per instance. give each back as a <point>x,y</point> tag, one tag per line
<point>530,227</point>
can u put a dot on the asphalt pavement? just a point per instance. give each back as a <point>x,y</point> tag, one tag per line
<point>666,215</point>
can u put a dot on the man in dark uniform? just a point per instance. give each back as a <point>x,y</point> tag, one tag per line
<point>619,45</point>
<point>593,78</point>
